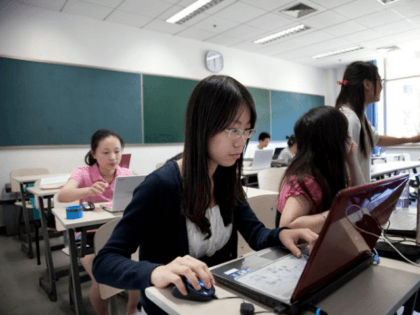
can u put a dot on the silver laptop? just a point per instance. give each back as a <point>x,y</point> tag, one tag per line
<point>123,191</point>
<point>262,160</point>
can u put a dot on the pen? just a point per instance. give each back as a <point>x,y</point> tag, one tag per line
<point>315,310</point>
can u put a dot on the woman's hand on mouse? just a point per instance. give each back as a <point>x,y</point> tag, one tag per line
<point>291,238</point>
<point>97,188</point>
<point>187,267</point>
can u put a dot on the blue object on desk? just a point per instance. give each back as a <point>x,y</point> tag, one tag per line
<point>74,212</point>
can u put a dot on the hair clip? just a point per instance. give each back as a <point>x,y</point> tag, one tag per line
<point>344,82</point>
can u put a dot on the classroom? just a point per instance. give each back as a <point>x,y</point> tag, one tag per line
<point>130,40</point>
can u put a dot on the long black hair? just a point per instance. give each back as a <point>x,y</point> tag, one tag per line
<point>321,136</point>
<point>94,142</point>
<point>212,107</point>
<point>353,94</point>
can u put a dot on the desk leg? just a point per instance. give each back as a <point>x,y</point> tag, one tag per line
<point>75,277</point>
<point>417,176</point>
<point>27,247</point>
<point>409,305</point>
<point>47,282</point>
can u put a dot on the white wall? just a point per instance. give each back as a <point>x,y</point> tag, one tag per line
<point>32,33</point>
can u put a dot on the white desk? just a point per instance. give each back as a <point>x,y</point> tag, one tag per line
<point>378,170</point>
<point>378,290</point>
<point>22,181</point>
<point>90,220</point>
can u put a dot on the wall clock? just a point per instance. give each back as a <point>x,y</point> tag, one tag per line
<point>214,61</point>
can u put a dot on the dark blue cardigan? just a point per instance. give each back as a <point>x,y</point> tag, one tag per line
<point>154,222</point>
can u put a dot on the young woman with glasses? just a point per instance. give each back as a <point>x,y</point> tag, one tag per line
<point>185,215</point>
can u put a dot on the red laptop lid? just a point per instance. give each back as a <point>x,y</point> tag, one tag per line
<point>342,240</point>
<point>125,160</point>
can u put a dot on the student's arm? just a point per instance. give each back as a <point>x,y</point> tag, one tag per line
<point>70,191</point>
<point>385,141</point>
<point>356,176</point>
<point>296,215</point>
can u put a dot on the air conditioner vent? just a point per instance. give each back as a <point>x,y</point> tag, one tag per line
<point>387,1</point>
<point>299,10</point>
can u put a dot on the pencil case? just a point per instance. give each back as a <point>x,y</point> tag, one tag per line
<point>74,212</point>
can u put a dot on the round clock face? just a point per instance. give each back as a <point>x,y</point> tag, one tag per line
<point>214,61</point>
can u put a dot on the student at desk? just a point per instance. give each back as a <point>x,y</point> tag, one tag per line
<point>95,183</point>
<point>287,154</point>
<point>263,141</point>
<point>361,86</point>
<point>324,164</point>
<point>185,215</point>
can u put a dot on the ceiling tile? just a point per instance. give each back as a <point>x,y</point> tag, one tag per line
<point>345,28</point>
<point>86,9</point>
<point>377,43</point>
<point>244,32</point>
<point>247,46</point>
<point>394,28</point>
<point>314,37</point>
<point>145,7</point>
<point>164,27</point>
<point>271,22</point>
<point>332,3</point>
<point>106,3</point>
<point>224,40</point>
<point>240,12</point>
<point>170,12</point>
<point>379,18</point>
<point>220,6</point>
<point>194,33</point>
<point>172,1</point>
<point>359,8</point>
<point>55,5</point>
<point>362,36</point>
<point>127,18</point>
<point>408,9</point>
<point>405,36</point>
<point>268,5</point>
<point>324,19</point>
<point>215,24</point>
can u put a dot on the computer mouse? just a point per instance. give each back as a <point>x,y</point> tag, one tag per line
<point>202,295</point>
<point>88,206</point>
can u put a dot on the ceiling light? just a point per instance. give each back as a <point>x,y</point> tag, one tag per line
<point>192,10</point>
<point>388,48</point>
<point>337,52</point>
<point>290,31</point>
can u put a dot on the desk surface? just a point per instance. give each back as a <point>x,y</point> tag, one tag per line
<point>33,178</point>
<point>376,291</point>
<point>42,192</point>
<point>254,192</point>
<point>385,168</point>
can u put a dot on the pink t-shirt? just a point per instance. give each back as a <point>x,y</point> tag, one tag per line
<point>86,176</point>
<point>292,188</point>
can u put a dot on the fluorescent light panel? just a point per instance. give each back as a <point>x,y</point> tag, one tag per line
<point>338,52</point>
<point>192,10</point>
<point>290,31</point>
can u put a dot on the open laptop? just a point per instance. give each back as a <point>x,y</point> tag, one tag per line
<point>277,152</point>
<point>342,251</point>
<point>123,192</point>
<point>262,160</point>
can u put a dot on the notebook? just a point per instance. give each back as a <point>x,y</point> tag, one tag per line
<point>277,152</point>
<point>125,160</point>
<point>341,252</point>
<point>262,160</point>
<point>123,192</point>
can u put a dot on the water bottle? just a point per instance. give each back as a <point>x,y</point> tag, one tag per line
<point>404,201</point>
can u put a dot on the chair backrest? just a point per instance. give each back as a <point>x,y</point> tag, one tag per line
<point>102,236</point>
<point>160,164</point>
<point>24,172</point>
<point>407,156</point>
<point>270,178</point>
<point>265,208</point>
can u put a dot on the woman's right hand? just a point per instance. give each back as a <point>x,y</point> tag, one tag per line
<point>97,188</point>
<point>188,267</point>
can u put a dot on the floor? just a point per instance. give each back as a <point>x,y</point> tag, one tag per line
<point>19,289</point>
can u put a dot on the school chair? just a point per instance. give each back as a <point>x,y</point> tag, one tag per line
<point>101,237</point>
<point>265,208</point>
<point>15,187</point>
<point>160,164</point>
<point>269,179</point>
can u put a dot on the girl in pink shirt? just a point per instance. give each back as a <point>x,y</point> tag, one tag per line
<point>324,164</point>
<point>95,183</point>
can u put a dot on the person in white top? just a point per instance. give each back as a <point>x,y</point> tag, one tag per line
<point>362,85</point>
<point>287,154</point>
<point>263,141</point>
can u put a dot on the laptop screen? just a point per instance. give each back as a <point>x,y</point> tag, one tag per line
<point>360,212</point>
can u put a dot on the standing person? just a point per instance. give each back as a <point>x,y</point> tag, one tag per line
<point>95,183</point>
<point>324,164</point>
<point>185,215</point>
<point>362,85</point>
<point>288,153</point>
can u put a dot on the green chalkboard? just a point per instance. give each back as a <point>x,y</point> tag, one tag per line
<point>165,100</point>
<point>44,103</point>
<point>287,108</point>
<point>262,103</point>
